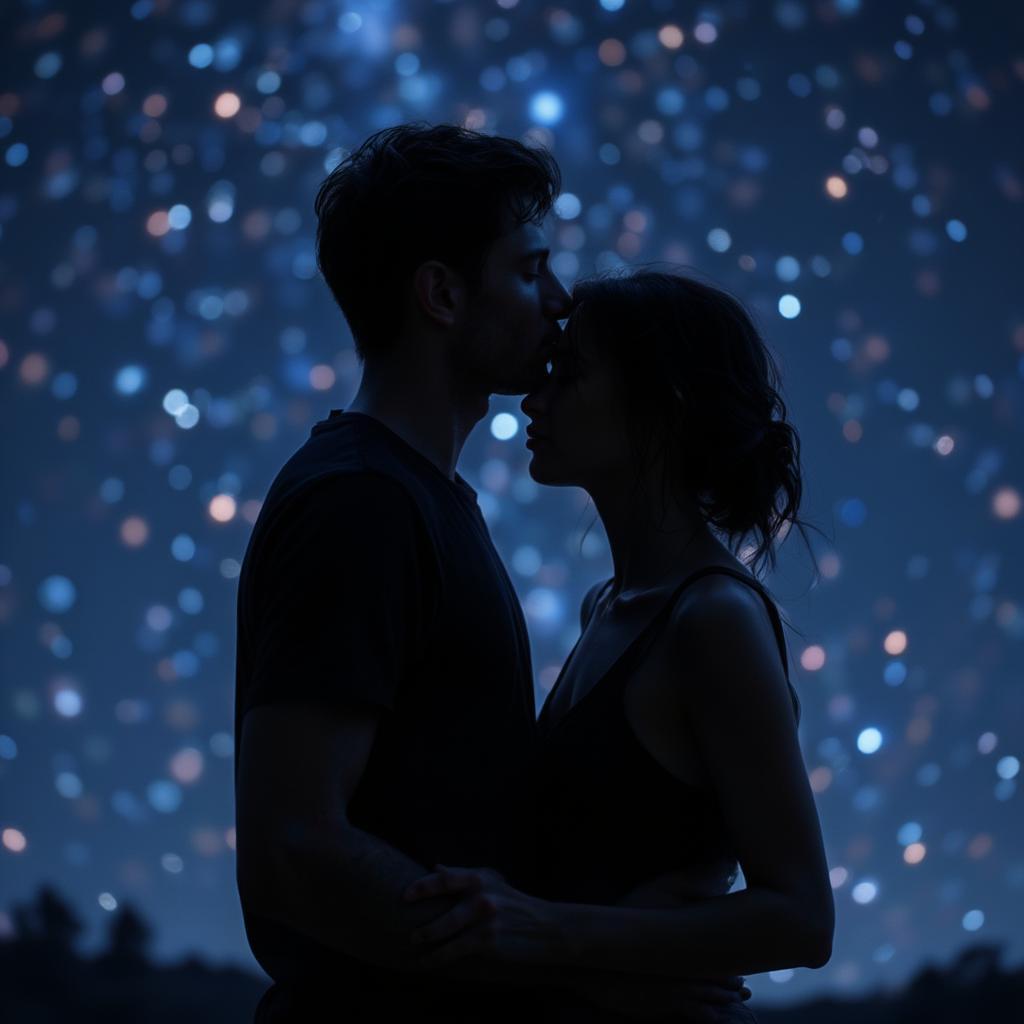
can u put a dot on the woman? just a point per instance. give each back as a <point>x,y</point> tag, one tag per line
<point>670,753</point>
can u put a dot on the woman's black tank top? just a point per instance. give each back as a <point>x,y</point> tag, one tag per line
<point>611,816</point>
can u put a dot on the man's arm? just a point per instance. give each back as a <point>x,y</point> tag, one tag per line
<point>300,860</point>
<point>336,612</point>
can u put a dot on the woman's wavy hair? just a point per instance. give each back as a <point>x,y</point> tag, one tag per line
<point>700,390</point>
<point>414,192</point>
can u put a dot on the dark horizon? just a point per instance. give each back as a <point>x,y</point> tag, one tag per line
<point>122,978</point>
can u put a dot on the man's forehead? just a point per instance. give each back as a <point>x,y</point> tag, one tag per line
<point>524,238</point>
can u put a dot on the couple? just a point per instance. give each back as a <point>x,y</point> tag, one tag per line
<point>411,840</point>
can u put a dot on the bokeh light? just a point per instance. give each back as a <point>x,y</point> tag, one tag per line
<point>227,105</point>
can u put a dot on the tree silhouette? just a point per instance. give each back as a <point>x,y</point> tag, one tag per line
<point>46,980</point>
<point>128,935</point>
<point>49,922</point>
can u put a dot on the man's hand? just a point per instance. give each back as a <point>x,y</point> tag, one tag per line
<point>492,919</point>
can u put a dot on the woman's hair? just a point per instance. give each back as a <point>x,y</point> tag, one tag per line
<point>700,389</point>
<point>416,192</point>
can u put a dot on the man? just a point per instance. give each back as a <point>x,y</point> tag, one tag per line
<point>384,713</point>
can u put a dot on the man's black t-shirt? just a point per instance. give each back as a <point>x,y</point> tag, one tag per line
<point>370,578</point>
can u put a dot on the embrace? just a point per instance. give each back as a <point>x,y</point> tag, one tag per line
<point>413,841</point>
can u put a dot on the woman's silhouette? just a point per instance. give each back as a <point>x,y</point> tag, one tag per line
<point>669,742</point>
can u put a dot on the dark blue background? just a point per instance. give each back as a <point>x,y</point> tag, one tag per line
<point>903,373</point>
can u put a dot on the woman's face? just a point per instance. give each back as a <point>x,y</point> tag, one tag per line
<point>577,430</point>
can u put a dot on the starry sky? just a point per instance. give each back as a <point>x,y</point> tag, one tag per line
<point>853,171</point>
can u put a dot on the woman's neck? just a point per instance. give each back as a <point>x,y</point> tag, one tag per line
<point>652,542</point>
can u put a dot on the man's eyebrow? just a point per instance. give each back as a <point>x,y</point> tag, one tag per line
<point>534,252</point>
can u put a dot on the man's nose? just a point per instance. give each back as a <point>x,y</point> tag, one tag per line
<point>560,302</point>
<point>530,404</point>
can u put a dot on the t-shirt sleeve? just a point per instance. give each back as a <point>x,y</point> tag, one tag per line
<point>342,593</point>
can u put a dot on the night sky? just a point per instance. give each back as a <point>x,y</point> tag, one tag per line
<point>853,171</point>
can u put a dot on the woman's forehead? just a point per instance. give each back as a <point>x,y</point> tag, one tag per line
<point>575,341</point>
<point>576,318</point>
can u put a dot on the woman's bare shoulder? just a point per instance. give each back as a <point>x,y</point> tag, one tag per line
<point>722,623</point>
<point>718,595</point>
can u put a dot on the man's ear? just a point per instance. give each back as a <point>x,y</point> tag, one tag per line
<point>438,292</point>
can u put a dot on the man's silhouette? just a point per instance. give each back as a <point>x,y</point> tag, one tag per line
<point>384,714</point>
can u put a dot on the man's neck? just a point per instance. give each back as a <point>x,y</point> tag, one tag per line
<point>423,407</point>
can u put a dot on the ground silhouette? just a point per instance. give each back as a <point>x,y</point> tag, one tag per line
<point>44,979</point>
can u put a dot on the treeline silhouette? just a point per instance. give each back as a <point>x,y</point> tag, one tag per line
<point>44,979</point>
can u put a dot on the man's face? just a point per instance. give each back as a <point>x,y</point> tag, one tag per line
<point>511,324</point>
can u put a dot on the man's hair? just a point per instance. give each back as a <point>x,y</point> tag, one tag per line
<point>416,192</point>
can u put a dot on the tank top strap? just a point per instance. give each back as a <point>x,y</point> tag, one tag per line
<point>597,597</point>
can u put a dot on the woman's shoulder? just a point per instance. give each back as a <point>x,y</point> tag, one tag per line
<point>725,636</point>
<point>720,585</point>
<point>719,611</point>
